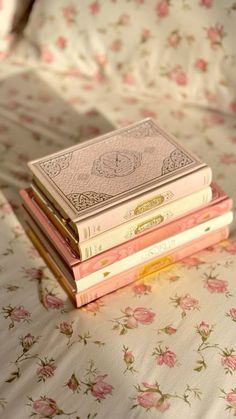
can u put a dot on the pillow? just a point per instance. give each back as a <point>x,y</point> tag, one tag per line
<point>11,13</point>
<point>183,49</point>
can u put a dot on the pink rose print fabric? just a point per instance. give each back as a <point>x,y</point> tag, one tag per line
<point>164,346</point>
<point>132,318</point>
<point>46,407</point>
<point>118,43</point>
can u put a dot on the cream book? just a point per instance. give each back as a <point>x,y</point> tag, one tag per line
<point>143,223</point>
<point>132,228</point>
<point>101,183</point>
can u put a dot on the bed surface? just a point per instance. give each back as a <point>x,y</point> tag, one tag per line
<point>164,346</point>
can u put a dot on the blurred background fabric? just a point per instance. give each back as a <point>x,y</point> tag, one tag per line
<point>182,48</point>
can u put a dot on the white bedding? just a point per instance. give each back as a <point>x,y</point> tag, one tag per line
<point>165,345</point>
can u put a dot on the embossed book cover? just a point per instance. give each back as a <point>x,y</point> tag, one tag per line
<point>130,168</point>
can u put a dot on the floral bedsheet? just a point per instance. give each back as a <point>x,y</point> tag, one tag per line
<point>163,346</point>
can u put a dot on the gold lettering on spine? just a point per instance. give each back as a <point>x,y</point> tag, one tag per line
<point>148,224</point>
<point>155,265</point>
<point>149,204</point>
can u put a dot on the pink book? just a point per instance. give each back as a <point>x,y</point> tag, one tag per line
<point>219,204</point>
<point>101,183</point>
<point>126,277</point>
<point>139,258</point>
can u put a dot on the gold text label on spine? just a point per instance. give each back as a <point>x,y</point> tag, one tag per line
<point>149,204</point>
<point>148,224</point>
<point>155,265</point>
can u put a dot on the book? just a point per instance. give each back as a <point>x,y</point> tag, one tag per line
<point>138,272</point>
<point>143,223</point>
<point>127,277</point>
<point>139,225</point>
<point>65,228</point>
<point>219,204</point>
<point>137,258</point>
<point>101,183</point>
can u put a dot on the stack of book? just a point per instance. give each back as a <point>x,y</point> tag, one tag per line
<point>114,209</point>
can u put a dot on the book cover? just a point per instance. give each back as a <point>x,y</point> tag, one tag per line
<point>124,168</point>
<point>219,204</point>
<point>112,284</point>
<point>136,259</point>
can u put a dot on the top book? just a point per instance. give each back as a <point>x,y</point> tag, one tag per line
<point>118,170</point>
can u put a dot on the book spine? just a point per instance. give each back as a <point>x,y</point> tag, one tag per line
<point>185,185</point>
<point>160,233</point>
<point>156,249</point>
<point>141,224</point>
<point>44,253</point>
<point>47,227</point>
<point>112,284</point>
